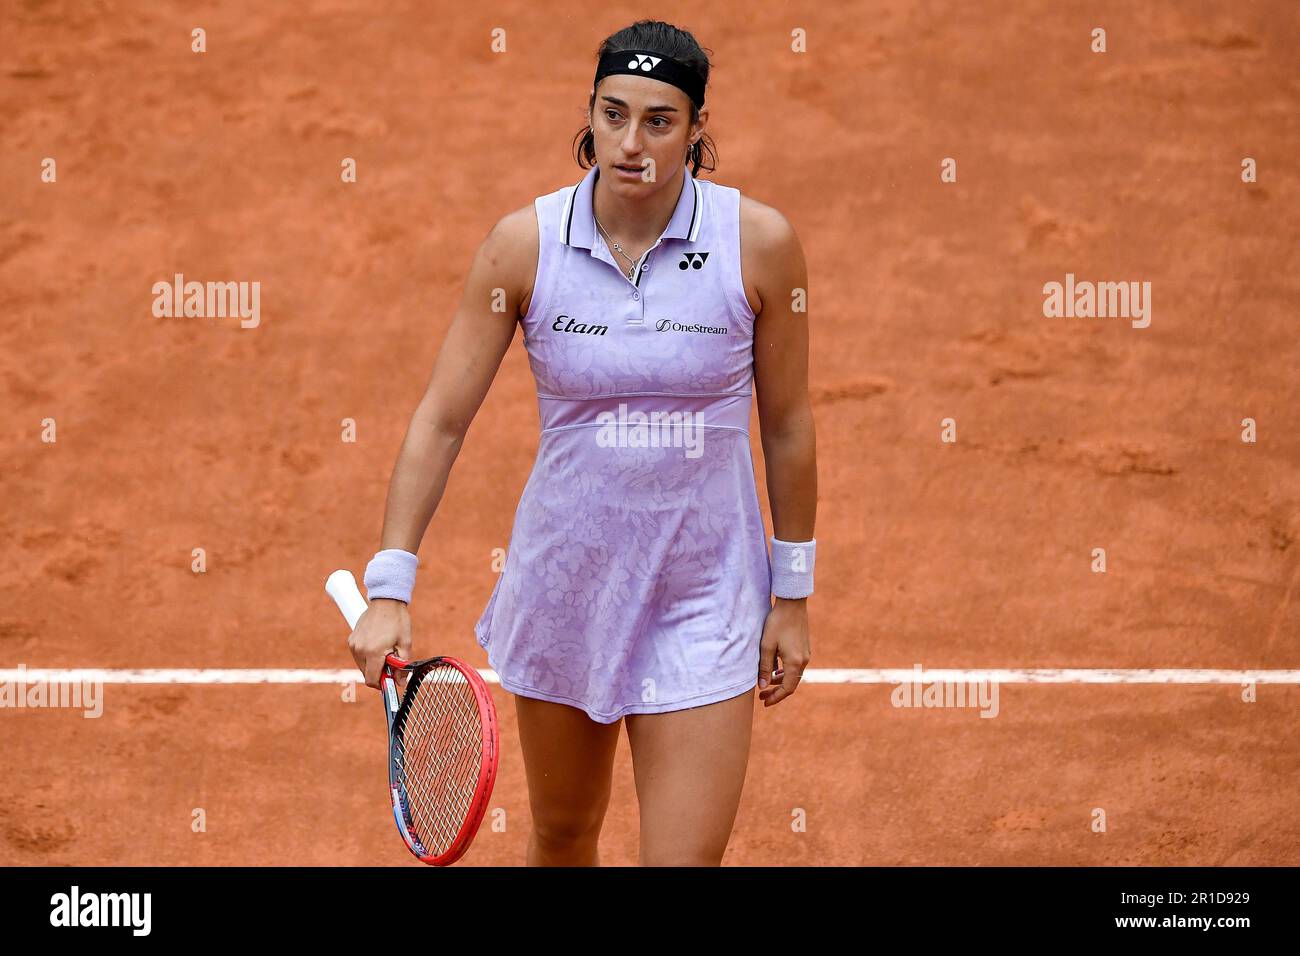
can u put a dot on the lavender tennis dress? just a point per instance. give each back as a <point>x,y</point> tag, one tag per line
<point>637,578</point>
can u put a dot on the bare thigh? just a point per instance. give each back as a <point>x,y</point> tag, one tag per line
<point>569,761</point>
<point>690,769</point>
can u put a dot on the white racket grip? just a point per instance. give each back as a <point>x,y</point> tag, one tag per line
<point>342,587</point>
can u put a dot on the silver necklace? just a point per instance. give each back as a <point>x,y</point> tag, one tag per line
<point>617,248</point>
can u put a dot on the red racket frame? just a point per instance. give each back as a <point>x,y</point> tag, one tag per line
<point>487,766</point>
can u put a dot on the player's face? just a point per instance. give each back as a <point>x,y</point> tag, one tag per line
<point>642,124</point>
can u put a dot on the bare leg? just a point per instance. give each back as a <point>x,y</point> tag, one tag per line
<point>569,762</point>
<point>690,769</point>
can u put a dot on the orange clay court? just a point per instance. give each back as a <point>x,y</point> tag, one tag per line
<point>926,303</point>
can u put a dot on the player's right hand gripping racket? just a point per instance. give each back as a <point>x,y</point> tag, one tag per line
<point>442,743</point>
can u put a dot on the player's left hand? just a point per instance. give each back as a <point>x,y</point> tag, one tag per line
<point>785,636</point>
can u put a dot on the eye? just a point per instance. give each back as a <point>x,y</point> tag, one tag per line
<point>665,119</point>
<point>612,114</point>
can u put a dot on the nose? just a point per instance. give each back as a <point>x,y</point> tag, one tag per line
<point>630,143</point>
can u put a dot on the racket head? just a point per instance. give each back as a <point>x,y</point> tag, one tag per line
<point>442,754</point>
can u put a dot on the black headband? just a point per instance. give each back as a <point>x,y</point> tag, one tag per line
<point>657,67</point>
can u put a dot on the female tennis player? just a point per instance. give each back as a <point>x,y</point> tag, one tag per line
<point>638,582</point>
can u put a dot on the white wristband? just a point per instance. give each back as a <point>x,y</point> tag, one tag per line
<point>391,574</point>
<point>792,568</point>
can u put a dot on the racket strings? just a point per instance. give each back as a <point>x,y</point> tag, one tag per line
<point>440,768</point>
<point>439,750</point>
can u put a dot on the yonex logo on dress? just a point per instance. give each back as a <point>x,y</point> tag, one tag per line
<point>643,62</point>
<point>668,325</point>
<point>693,260</point>
<point>578,328</point>
<point>658,429</point>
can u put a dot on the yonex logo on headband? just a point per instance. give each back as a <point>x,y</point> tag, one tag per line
<point>664,68</point>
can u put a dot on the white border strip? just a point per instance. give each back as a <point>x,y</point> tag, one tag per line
<point>894,675</point>
<point>1052,675</point>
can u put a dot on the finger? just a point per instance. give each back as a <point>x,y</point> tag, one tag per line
<point>374,667</point>
<point>766,662</point>
<point>774,682</point>
<point>789,682</point>
<point>779,693</point>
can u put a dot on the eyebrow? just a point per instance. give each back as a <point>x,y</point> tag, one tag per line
<point>649,109</point>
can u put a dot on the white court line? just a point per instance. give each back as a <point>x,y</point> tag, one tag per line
<point>814,675</point>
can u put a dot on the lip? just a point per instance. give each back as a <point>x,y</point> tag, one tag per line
<point>631,173</point>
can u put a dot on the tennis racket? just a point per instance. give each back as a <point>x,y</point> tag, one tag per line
<point>442,743</point>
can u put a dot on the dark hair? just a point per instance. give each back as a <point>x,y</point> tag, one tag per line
<point>654,36</point>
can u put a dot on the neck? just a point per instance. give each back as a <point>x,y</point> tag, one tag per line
<point>636,221</point>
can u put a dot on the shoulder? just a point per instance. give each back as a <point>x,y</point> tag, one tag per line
<point>765,230</point>
<point>511,248</point>
<point>514,233</point>
<point>507,257</point>
<point>519,232</point>
<point>771,256</point>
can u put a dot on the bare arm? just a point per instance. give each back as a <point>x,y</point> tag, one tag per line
<point>781,375</point>
<point>775,258</point>
<point>468,360</point>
